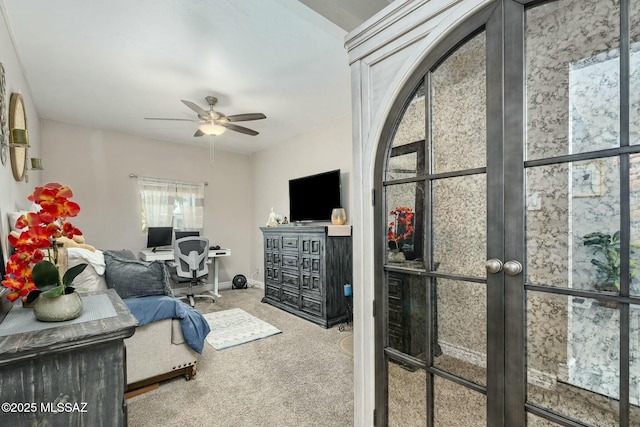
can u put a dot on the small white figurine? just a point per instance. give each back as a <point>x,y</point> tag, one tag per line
<point>272,221</point>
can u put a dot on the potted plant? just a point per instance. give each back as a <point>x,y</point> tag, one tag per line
<point>608,264</point>
<point>399,231</point>
<point>32,271</point>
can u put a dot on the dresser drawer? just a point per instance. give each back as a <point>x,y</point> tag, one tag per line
<point>272,292</point>
<point>290,298</point>
<point>311,283</point>
<point>312,306</point>
<point>311,264</point>
<point>290,260</point>
<point>396,341</point>
<point>311,245</point>
<point>290,278</point>
<point>395,286</point>
<point>273,274</point>
<point>290,243</point>
<point>272,243</point>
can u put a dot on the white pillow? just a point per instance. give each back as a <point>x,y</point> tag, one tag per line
<point>89,280</point>
<point>13,217</point>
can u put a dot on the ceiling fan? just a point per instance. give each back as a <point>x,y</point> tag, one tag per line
<point>214,122</point>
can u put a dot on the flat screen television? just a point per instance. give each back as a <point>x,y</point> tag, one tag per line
<point>313,197</point>
<point>159,237</point>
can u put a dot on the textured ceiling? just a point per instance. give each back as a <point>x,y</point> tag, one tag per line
<point>109,64</point>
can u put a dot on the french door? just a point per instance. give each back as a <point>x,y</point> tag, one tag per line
<point>510,223</point>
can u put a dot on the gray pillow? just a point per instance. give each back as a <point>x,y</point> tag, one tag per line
<point>133,278</point>
<point>123,253</point>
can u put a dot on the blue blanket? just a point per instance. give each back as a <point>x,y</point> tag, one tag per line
<point>151,309</point>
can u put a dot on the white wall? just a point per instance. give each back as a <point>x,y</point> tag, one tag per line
<point>319,150</point>
<point>13,194</point>
<point>96,164</point>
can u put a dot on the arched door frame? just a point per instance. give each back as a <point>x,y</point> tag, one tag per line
<point>370,129</point>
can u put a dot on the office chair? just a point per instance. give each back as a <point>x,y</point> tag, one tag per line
<point>191,256</point>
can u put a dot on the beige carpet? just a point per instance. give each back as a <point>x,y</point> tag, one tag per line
<point>299,377</point>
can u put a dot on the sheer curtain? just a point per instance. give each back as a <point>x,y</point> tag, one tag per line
<point>157,199</point>
<point>190,200</point>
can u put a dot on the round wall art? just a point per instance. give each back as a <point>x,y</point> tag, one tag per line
<point>19,139</point>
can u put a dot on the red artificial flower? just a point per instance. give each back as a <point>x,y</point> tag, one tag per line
<point>404,216</point>
<point>41,230</point>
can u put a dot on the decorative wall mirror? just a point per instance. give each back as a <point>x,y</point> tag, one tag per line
<point>4,131</point>
<point>19,141</point>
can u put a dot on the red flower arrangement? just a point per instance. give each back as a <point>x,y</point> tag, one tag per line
<point>401,228</point>
<point>27,269</point>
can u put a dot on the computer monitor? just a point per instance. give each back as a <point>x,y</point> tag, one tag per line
<point>158,237</point>
<point>182,233</point>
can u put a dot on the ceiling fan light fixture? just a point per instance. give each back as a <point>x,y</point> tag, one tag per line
<point>212,129</point>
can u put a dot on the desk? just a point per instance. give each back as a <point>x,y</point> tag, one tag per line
<point>167,255</point>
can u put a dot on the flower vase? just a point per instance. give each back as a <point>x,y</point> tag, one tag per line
<point>58,309</point>
<point>396,257</point>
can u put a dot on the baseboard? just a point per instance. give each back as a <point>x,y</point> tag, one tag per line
<point>542,379</point>
<point>255,284</point>
<point>250,283</point>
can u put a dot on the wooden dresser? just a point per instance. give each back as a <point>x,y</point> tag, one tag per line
<point>67,375</point>
<point>305,270</point>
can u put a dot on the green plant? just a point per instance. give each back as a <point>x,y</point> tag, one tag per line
<point>609,247</point>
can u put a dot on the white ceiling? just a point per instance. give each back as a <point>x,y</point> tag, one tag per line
<point>109,64</point>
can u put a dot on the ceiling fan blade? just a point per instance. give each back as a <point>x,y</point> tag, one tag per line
<point>180,120</point>
<point>196,108</point>
<point>198,133</point>
<point>246,117</point>
<point>240,129</point>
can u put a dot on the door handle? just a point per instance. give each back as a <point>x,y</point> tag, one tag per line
<point>494,265</point>
<point>512,268</point>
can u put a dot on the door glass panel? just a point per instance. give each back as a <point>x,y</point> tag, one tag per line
<point>407,396</point>
<point>412,124</point>
<point>407,313</point>
<point>458,117</point>
<point>634,364</point>
<point>579,200</point>
<point>406,161</point>
<point>634,68</point>
<point>460,224</point>
<point>404,223</point>
<point>460,329</point>
<point>457,406</point>
<point>573,80</point>
<point>572,357</point>
<point>634,203</point>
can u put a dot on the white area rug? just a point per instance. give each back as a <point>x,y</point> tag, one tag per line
<point>234,327</point>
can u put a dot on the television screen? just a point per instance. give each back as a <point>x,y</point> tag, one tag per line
<point>181,234</point>
<point>159,236</point>
<point>313,197</point>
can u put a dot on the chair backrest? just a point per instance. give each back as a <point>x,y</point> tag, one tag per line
<point>191,255</point>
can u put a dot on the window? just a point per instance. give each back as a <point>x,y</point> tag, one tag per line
<point>171,203</point>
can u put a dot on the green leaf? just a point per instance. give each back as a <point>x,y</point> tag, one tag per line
<point>45,274</point>
<point>31,296</point>
<point>72,273</point>
<point>53,292</point>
